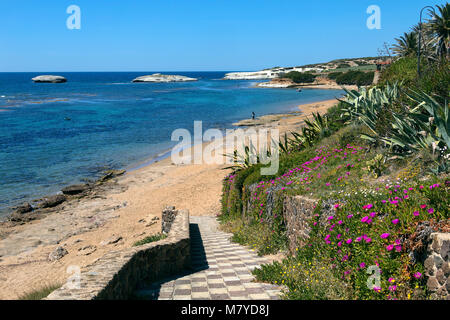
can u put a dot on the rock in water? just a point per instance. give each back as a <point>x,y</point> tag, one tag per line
<point>53,201</point>
<point>75,189</point>
<point>49,79</point>
<point>158,77</point>
<point>24,208</point>
<point>57,254</point>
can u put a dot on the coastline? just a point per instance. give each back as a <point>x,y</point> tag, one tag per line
<point>119,213</point>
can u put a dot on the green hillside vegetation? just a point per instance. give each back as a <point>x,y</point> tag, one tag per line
<point>377,166</point>
<point>299,77</point>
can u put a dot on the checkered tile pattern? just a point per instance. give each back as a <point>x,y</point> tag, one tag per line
<point>221,270</point>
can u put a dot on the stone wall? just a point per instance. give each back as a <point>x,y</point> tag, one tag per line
<point>117,274</point>
<point>437,266</point>
<point>297,212</point>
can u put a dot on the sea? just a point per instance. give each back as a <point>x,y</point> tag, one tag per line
<point>54,135</point>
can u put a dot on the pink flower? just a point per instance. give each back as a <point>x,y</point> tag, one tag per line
<point>365,219</point>
<point>391,280</point>
<point>336,206</point>
<point>373,214</point>
<point>340,222</point>
<point>393,288</point>
<point>368,240</point>
<point>390,247</point>
<point>349,241</point>
<point>385,235</point>
<point>368,206</point>
<point>358,239</point>
<point>431,210</point>
<point>398,248</point>
<point>417,275</point>
<point>339,243</point>
<point>362,265</point>
<point>377,289</point>
<point>416,213</point>
<point>395,221</point>
<point>423,206</point>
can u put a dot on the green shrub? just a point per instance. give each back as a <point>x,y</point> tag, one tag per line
<point>333,75</point>
<point>300,77</point>
<point>40,293</point>
<point>402,70</point>
<point>152,238</point>
<point>359,78</point>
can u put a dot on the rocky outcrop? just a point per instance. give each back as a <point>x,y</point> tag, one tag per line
<point>75,189</point>
<point>278,83</point>
<point>49,79</point>
<point>158,77</point>
<point>52,201</point>
<point>258,75</point>
<point>267,73</point>
<point>24,208</point>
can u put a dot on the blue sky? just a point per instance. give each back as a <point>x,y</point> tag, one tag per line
<point>194,35</point>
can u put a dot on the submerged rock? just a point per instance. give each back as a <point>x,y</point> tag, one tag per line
<point>49,79</point>
<point>158,77</point>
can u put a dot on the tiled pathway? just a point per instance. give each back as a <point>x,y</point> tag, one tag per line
<point>221,270</point>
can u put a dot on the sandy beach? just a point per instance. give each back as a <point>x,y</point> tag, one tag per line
<point>126,210</point>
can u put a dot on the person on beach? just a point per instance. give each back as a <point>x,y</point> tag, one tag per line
<point>253,115</point>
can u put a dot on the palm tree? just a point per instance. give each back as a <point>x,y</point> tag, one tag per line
<point>406,44</point>
<point>439,26</point>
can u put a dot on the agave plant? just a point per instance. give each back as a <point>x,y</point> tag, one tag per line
<point>365,105</point>
<point>426,126</point>
<point>319,127</point>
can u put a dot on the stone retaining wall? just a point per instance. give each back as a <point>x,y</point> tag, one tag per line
<point>117,274</point>
<point>297,212</point>
<point>437,266</point>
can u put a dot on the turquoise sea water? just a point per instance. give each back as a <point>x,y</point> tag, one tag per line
<point>52,135</point>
